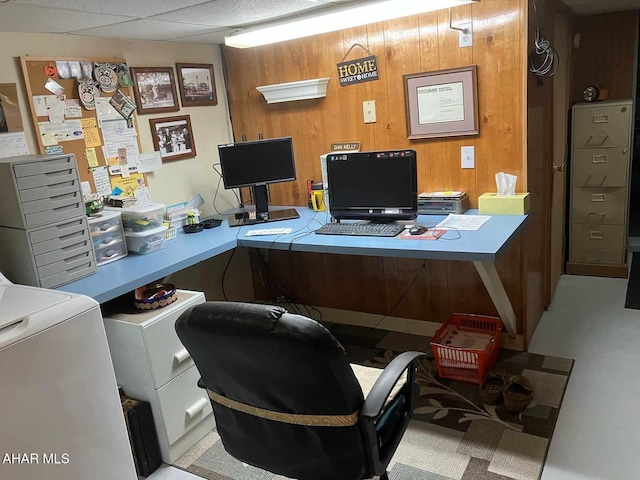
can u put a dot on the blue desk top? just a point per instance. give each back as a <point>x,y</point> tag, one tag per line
<point>133,271</point>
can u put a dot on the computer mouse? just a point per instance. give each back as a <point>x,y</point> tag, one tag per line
<point>417,230</point>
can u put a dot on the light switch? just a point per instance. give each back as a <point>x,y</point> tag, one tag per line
<point>468,157</point>
<point>369,109</point>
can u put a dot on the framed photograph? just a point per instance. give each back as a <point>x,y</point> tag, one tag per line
<point>173,137</point>
<point>197,86</point>
<point>443,103</point>
<point>154,89</point>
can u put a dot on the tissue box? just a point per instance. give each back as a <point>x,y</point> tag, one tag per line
<point>491,203</point>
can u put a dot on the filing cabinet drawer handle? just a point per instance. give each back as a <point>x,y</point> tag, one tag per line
<point>596,235</point>
<point>596,250</point>
<point>599,159</point>
<point>181,356</point>
<point>602,214</point>
<point>604,139</point>
<point>196,408</point>
<point>598,197</point>
<point>601,119</point>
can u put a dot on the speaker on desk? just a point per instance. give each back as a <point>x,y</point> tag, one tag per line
<point>142,435</point>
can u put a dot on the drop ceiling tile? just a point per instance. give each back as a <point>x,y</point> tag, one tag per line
<point>238,12</point>
<point>210,38</point>
<point>27,18</point>
<point>147,29</point>
<point>136,8</point>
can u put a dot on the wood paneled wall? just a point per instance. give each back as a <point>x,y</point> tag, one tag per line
<point>415,44</point>
<point>606,54</point>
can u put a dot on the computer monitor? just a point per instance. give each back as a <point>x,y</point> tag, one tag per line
<point>255,164</point>
<point>379,186</point>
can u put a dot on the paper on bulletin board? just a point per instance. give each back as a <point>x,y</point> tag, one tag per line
<point>55,109</point>
<point>113,130</point>
<point>10,118</point>
<point>92,158</point>
<point>13,144</point>
<point>40,103</point>
<point>129,185</point>
<point>101,181</point>
<point>148,162</point>
<point>111,149</point>
<point>91,137</point>
<point>69,130</point>
<point>89,122</point>
<point>105,111</point>
<point>72,108</point>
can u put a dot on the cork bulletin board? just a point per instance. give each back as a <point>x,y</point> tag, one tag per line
<point>37,72</point>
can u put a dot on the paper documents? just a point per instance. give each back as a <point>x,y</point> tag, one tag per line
<point>13,144</point>
<point>463,222</point>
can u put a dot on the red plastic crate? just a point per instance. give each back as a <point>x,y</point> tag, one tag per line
<point>466,365</point>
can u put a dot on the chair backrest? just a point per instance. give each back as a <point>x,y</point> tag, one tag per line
<point>264,357</point>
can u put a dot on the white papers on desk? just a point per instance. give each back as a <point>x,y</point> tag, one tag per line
<point>13,144</point>
<point>463,222</point>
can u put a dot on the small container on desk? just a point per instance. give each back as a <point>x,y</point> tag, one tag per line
<point>466,347</point>
<point>146,242</point>
<point>141,219</point>
<point>107,235</point>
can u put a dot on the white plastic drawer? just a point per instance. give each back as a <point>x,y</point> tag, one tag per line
<point>49,191</point>
<point>167,355</point>
<point>58,231</point>
<point>61,242</point>
<point>71,275</point>
<point>44,166</point>
<point>55,214</point>
<point>183,404</point>
<point>68,263</point>
<point>111,253</point>
<point>47,179</point>
<point>51,203</point>
<point>62,253</point>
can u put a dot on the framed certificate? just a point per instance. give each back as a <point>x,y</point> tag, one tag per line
<point>443,103</point>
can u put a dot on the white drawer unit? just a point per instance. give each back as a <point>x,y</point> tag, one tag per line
<point>107,235</point>
<point>48,256</point>
<point>37,190</point>
<point>600,152</point>
<point>152,364</point>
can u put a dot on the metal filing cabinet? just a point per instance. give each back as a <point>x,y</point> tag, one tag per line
<point>44,233</point>
<point>601,139</point>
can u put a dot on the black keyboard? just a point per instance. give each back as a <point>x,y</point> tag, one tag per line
<point>366,229</point>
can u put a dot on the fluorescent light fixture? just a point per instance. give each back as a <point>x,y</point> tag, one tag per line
<point>337,20</point>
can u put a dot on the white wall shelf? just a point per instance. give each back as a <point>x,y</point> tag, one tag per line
<point>291,91</point>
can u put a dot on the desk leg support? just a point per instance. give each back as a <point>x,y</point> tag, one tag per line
<point>493,284</point>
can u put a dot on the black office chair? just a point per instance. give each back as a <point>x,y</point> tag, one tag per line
<point>285,398</point>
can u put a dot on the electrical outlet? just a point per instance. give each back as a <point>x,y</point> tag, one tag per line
<point>468,155</point>
<point>466,38</point>
<point>369,109</point>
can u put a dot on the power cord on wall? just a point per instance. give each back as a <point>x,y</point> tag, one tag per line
<point>543,58</point>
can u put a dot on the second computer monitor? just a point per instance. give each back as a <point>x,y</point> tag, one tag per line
<point>378,186</point>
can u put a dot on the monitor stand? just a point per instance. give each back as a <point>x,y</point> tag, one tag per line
<point>262,214</point>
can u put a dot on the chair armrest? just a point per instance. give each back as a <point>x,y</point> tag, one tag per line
<point>374,403</point>
<point>201,383</point>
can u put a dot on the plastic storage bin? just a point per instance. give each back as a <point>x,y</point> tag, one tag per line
<point>108,237</point>
<point>141,219</point>
<point>468,365</point>
<point>146,242</point>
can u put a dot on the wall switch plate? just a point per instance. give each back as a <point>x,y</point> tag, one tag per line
<point>468,155</point>
<point>466,38</point>
<point>369,109</point>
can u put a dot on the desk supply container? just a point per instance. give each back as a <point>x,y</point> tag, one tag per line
<point>471,358</point>
<point>146,242</point>
<point>44,233</point>
<point>141,219</point>
<point>108,237</point>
